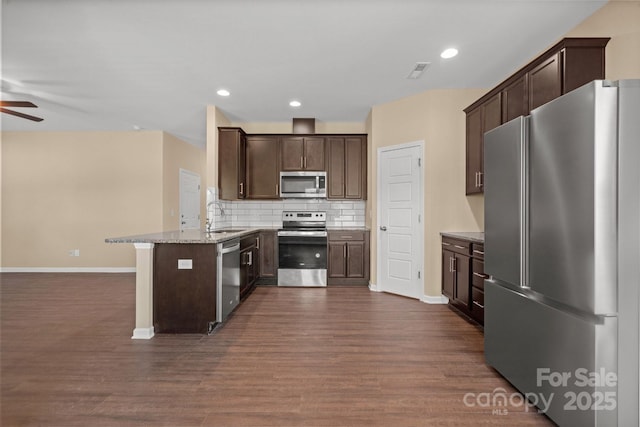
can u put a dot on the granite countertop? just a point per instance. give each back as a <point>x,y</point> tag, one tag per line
<point>202,236</point>
<point>473,236</point>
<point>187,236</point>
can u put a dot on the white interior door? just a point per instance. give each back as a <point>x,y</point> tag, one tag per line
<point>400,230</point>
<point>189,200</point>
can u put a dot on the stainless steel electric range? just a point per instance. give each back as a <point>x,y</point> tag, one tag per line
<point>302,249</point>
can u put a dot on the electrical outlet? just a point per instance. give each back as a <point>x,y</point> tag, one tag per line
<point>74,252</point>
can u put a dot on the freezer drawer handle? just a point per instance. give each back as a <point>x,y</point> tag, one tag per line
<point>478,304</point>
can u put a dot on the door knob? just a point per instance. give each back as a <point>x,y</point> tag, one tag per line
<point>383,228</point>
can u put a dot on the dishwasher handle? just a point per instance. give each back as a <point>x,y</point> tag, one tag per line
<point>231,248</point>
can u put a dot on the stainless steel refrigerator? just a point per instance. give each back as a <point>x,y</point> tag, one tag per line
<point>562,247</point>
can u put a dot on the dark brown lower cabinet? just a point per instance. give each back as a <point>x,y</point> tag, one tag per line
<point>268,253</point>
<point>463,276</point>
<point>348,257</point>
<point>184,299</point>
<point>249,263</point>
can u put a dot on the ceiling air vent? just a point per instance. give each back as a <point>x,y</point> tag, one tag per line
<point>418,70</point>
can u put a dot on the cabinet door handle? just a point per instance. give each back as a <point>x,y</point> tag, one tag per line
<point>305,163</point>
<point>346,237</point>
<point>477,179</point>
<point>479,275</point>
<point>277,192</point>
<point>478,304</point>
<point>301,163</point>
<point>480,180</point>
<point>460,247</point>
<point>250,260</point>
<point>446,244</point>
<point>258,243</point>
<point>242,188</point>
<point>455,265</point>
<point>344,251</point>
<point>475,251</point>
<point>383,228</point>
<point>450,265</point>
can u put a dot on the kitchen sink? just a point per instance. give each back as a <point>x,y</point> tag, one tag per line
<point>228,230</point>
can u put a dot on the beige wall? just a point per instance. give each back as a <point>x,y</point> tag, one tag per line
<point>619,20</point>
<point>71,190</point>
<point>176,155</point>
<point>435,117</point>
<point>287,127</point>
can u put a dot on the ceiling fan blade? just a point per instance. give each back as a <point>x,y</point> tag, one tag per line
<point>24,116</point>
<point>17,104</point>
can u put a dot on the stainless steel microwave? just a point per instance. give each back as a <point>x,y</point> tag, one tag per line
<point>296,185</point>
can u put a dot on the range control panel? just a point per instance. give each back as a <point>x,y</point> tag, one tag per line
<point>304,216</point>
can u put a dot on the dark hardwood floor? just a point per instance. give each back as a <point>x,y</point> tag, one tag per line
<point>340,356</point>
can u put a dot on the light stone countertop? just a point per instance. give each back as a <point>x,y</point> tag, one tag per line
<point>187,236</point>
<point>473,236</point>
<point>202,236</point>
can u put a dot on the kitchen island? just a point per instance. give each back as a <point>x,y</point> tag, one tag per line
<point>186,261</point>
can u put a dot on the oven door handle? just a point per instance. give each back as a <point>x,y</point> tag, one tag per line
<point>302,233</point>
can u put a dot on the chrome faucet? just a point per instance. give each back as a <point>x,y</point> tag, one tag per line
<point>210,218</point>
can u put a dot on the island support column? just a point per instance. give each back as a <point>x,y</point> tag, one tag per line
<point>144,292</point>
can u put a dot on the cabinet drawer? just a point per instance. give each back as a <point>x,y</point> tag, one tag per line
<point>477,304</point>
<point>477,274</point>
<point>455,245</point>
<point>346,235</point>
<point>478,250</point>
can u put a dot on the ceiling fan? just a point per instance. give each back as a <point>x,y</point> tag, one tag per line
<point>19,104</point>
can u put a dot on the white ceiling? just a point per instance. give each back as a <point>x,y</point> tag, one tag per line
<point>156,64</point>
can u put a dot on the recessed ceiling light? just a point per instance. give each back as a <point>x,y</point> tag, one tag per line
<point>449,53</point>
<point>223,92</point>
<point>295,103</point>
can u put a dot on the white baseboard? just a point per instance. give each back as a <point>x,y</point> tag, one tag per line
<point>67,270</point>
<point>440,299</point>
<point>373,287</point>
<point>142,333</point>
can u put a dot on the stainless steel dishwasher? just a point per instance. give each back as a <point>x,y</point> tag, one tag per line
<point>228,278</point>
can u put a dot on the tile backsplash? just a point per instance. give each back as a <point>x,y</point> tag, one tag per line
<point>269,213</point>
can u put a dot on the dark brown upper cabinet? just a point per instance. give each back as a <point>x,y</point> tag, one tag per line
<point>347,167</point>
<point>232,143</point>
<point>515,98</point>
<point>567,65</point>
<point>302,153</point>
<point>262,167</point>
<point>249,165</point>
<point>545,82</point>
<point>484,118</point>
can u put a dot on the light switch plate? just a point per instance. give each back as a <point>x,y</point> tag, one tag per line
<point>185,264</point>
